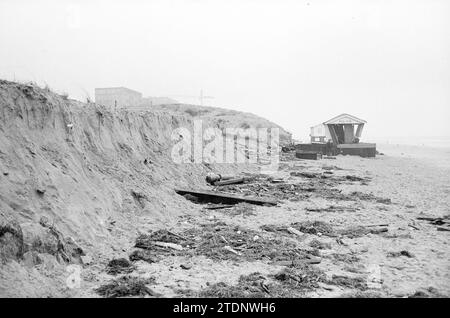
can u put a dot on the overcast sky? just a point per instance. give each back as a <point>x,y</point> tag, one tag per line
<point>297,63</point>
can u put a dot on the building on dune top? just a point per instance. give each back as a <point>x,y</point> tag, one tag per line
<point>117,97</point>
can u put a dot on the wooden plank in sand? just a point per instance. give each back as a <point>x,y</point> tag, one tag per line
<point>229,181</point>
<point>220,197</point>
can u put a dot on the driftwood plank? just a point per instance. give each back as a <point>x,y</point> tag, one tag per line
<point>229,181</point>
<point>220,197</point>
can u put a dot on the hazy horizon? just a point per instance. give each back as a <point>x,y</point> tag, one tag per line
<point>296,63</point>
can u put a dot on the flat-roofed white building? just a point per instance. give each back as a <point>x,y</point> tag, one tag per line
<point>117,97</point>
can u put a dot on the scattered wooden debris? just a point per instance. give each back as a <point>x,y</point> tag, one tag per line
<point>435,220</point>
<point>443,223</point>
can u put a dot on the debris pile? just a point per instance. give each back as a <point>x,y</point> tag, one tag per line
<point>263,186</point>
<point>346,258</point>
<point>315,227</point>
<point>119,266</point>
<point>126,286</point>
<point>349,282</point>
<point>300,279</point>
<point>289,282</point>
<point>159,242</point>
<point>144,255</point>
<point>320,245</point>
<point>220,241</point>
<point>248,286</point>
<point>11,241</point>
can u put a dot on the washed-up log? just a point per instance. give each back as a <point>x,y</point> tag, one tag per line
<point>177,235</point>
<point>378,231</point>
<point>211,177</point>
<point>413,226</point>
<point>296,262</point>
<point>218,206</point>
<point>435,221</point>
<point>427,218</point>
<point>169,245</point>
<point>277,180</point>
<point>228,248</point>
<point>220,197</point>
<point>308,175</point>
<point>313,260</point>
<point>294,231</point>
<point>376,225</point>
<point>229,181</point>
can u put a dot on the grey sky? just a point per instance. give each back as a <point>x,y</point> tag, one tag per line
<point>297,63</point>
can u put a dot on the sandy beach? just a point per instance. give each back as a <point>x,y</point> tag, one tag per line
<point>410,259</point>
